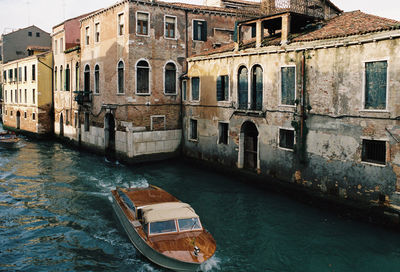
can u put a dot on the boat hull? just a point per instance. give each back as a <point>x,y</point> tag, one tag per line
<point>148,251</point>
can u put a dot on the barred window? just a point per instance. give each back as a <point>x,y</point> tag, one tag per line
<point>374,151</point>
<point>286,138</point>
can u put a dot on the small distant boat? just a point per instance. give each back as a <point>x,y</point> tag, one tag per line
<point>8,139</point>
<point>166,231</point>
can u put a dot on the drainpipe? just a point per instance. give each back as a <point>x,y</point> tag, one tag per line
<point>302,102</point>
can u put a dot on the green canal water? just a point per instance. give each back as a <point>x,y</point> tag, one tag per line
<point>56,215</point>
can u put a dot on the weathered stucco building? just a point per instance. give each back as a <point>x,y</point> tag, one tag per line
<point>309,102</point>
<point>132,56</point>
<point>28,93</point>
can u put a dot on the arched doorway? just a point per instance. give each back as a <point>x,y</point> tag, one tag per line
<point>18,120</point>
<point>61,125</point>
<point>109,132</point>
<point>248,156</point>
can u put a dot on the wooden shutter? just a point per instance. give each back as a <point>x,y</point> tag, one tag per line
<point>204,31</point>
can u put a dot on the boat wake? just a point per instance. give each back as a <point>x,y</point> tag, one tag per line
<point>211,264</point>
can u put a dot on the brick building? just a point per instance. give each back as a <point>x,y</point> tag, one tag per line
<point>310,102</point>
<point>132,57</point>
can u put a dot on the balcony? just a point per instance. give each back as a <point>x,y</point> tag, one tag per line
<point>312,8</point>
<point>82,97</point>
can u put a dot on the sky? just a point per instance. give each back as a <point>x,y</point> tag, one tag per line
<point>45,14</point>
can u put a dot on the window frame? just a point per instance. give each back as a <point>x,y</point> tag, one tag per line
<point>220,124</point>
<point>96,32</point>
<point>119,33</point>
<point>175,27</point>
<point>96,80</point>
<point>191,89</point>
<point>87,35</point>
<point>190,138</point>
<point>165,77</point>
<point>148,24</point>
<point>184,90</point>
<point>123,77</point>
<point>280,86</point>
<point>373,162</point>
<point>226,95</point>
<point>364,82</point>
<point>279,138</point>
<point>84,77</point>
<point>203,39</point>
<point>136,77</point>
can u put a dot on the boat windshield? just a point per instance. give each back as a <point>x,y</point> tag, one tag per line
<point>189,224</point>
<point>162,227</point>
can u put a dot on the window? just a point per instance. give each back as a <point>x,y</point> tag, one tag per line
<point>37,34</point>
<point>142,25</point>
<point>193,129</point>
<point>67,79</point>
<point>33,72</point>
<point>286,138</point>
<point>77,76</point>
<point>5,76</point>
<point>5,95</point>
<point>222,88</point>
<point>86,122</point>
<point>25,115</point>
<point>170,23</point>
<point>199,30</point>
<point>11,95</point>
<point>25,73</point>
<point>121,24</point>
<point>87,37</point>
<point>184,89</point>
<point>20,74</point>
<point>142,77</point>
<point>97,79</point>
<point>97,34</point>
<point>195,88</point>
<point>10,75</point>
<point>288,85</point>
<point>67,117</point>
<point>15,74</point>
<point>256,88</point>
<point>162,227</point>
<point>33,116</point>
<point>375,85</point>
<point>55,78</point>
<point>86,82</point>
<point>61,78</point>
<point>30,33</point>
<point>76,123</point>
<point>170,79</point>
<point>374,151</point>
<point>33,96</point>
<point>16,96</point>
<point>243,88</point>
<point>189,224</point>
<point>223,133</point>
<point>55,47</point>
<point>26,96</point>
<point>61,45</point>
<point>121,77</point>
<point>20,96</point>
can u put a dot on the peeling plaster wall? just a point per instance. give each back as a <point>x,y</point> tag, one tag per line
<point>336,124</point>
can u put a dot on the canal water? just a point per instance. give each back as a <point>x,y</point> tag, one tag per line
<point>56,215</point>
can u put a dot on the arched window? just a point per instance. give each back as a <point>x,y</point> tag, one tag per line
<point>67,78</point>
<point>61,79</point>
<point>86,82</point>
<point>243,87</point>
<point>96,79</point>
<point>55,78</point>
<point>256,88</point>
<point>77,76</point>
<point>120,77</point>
<point>142,77</point>
<point>170,78</point>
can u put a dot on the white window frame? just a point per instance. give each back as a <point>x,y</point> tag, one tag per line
<point>279,138</point>
<point>94,80</point>
<point>176,26</point>
<point>190,130</point>
<point>193,29</point>
<point>136,81</point>
<point>191,90</point>
<point>118,24</point>
<point>156,116</point>
<point>218,142</point>
<point>176,77</point>
<point>280,85</point>
<point>364,82</point>
<point>123,62</point>
<point>148,24</point>
<point>387,147</point>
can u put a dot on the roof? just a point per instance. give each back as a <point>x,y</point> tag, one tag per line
<point>167,211</point>
<point>38,48</point>
<point>346,24</point>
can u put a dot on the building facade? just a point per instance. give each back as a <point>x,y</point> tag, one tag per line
<point>318,108</point>
<point>132,57</point>
<point>27,91</point>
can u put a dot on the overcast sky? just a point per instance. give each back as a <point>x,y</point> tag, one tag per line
<point>16,14</point>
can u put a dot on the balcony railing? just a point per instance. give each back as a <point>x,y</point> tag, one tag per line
<point>312,8</point>
<point>82,97</point>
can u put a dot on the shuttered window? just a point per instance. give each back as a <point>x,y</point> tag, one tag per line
<point>199,30</point>
<point>375,85</point>
<point>222,88</point>
<point>142,77</point>
<point>170,79</point>
<point>195,88</point>
<point>288,85</point>
<point>243,87</point>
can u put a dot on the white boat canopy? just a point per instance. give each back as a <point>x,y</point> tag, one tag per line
<point>167,211</point>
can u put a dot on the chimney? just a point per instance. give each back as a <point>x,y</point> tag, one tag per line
<point>259,33</point>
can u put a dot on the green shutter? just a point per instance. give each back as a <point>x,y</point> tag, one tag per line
<point>219,88</point>
<point>375,85</point>
<point>204,31</point>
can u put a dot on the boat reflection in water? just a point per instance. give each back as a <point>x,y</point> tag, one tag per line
<point>168,232</point>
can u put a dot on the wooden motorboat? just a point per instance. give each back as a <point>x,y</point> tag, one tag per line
<point>8,139</point>
<point>165,230</point>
